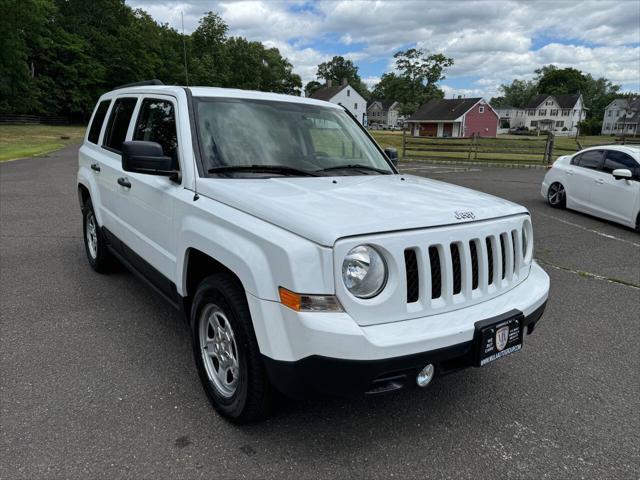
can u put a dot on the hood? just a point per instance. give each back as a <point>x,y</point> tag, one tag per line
<point>324,209</point>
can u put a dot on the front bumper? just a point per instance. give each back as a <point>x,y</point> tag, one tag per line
<point>330,352</point>
<point>333,376</point>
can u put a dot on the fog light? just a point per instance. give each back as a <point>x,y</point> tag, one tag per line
<point>425,376</point>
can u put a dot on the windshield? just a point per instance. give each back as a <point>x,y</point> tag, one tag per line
<point>257,138</point>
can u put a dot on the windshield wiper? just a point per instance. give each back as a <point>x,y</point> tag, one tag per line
<point>356,166</point>
<point>279,169</point>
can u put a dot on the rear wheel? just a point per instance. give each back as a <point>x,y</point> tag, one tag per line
<point>95,246</point>
<point>557,196</point>
<point>226,351</point>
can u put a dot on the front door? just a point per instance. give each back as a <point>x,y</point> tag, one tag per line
<point>617,199</point>
<point>428,129</point>
<point>447,130</point>
<point>148,203</point>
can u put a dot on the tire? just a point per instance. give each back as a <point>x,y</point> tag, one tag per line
<point>226,351</point>
<point>95,245</point>
<point>638,223</point>
<point>557,195</point>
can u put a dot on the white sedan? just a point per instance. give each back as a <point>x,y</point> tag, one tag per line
<point>602,181</point>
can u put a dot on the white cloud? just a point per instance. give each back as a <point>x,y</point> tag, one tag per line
<point>496,40</point>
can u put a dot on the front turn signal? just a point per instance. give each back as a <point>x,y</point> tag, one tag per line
<point>309,303</point>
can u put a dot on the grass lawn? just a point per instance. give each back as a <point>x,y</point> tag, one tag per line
<point>505,148</point>
<point>19,141</point>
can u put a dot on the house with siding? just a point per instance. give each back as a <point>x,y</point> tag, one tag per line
<point>345,95</point>
<point>510,117</point>
<point>622,116</point>
<point>383,112</point>
<point>555,113</point>
<point>459,117</point>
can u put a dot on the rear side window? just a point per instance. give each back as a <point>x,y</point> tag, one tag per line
<point>98,120</point>
<point>615,160</point>
<point>591,159</point>
<point>118,123</point>
<point>157,123</point>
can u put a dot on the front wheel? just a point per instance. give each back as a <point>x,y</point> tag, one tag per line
<point>557,196</point>
<point>226,351</point>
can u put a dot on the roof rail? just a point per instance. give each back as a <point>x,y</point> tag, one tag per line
<point>140,84</point>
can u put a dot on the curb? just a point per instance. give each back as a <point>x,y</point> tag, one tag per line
<point>475,163</point>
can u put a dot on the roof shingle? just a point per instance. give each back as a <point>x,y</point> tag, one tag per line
<point>444,109</point>
<point>327,93</point>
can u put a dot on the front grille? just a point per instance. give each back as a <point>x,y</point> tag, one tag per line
<point>413,283</point>
<point>469,268</point>
<point>436,274</point>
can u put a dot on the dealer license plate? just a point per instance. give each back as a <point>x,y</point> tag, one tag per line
<point>497,338</point>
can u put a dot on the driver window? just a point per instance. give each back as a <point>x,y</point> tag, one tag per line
<point>157,123</point>
<point>616,159</point>
<point>329,140</point>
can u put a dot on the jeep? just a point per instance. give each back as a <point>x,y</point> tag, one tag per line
<point>304,261</point>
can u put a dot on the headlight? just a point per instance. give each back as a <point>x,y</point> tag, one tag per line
<point>364,271</point>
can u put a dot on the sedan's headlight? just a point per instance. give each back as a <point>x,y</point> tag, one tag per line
<point>364,271</point>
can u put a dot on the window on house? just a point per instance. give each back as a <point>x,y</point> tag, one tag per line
<point>355,106</point>
<point>481,110</point>
<point>575,111</point>
<point>542,112</point>
<point>531,112</point>
<point>554,112</point>
<point>534,123</point>
<point>565,112</point>
<point>348,92</point>
<point>606,126</point>
<point>609,113</point>
<point>98,119</point>
<point>559,124</point>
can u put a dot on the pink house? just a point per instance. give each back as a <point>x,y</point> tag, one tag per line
<point>459,117</point>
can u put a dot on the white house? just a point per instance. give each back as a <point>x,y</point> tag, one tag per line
<point>555,112</point>
<point>383,112</point>
<point>511,117</point>
<point>621,115</point>
<point>345,95</point>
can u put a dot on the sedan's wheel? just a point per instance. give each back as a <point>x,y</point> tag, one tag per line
<point>95,245</point>
<point>226,350</point>
<point>556,196</point>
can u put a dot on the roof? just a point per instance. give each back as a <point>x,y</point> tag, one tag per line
<point>327,93</point>
<point>386,104</point>
<point>565,101</point>
<point>444,109</point>
<point>177,91</point>
<point>537,100</point>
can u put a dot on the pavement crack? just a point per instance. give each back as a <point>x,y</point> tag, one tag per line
<point>586,274</point>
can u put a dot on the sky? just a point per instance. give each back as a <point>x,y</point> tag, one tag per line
<point>491,41</point>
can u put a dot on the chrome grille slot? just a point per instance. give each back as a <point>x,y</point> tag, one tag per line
<point>436,272</point>
<point>456,268</point>
<point>503,268</point>
<point>413,279</point>
<point>490,259</point>
<point>474,264</point>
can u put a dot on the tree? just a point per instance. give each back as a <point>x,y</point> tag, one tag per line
<point>516,94</point>
<point>416,80</point>
<point>312,87</point>
<point>552,80</point>
<point>339,69</point>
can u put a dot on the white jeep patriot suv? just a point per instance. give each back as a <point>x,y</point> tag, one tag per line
<point>305,263</point>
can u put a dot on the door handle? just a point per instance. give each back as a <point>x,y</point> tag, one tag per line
<point>569,172</point>
<point>95,167</point>
<point>599,181</point>
<point>124,181</point>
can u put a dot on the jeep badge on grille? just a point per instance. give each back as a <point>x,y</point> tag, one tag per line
<point>464,215</point>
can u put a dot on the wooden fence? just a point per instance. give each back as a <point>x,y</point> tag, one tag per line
<point>541,150</point>
<point>32,119</point>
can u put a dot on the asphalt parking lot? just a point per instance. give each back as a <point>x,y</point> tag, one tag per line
<point>97,377</point>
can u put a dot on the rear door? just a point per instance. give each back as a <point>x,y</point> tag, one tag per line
<point>581,177</point>
<point>614,199</point>
<point>148,203</point>
<point>110,162</point>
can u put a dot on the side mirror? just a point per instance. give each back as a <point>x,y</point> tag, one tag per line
<point>392,154</point>
<point>622,174</point>
<point>147,157</point>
